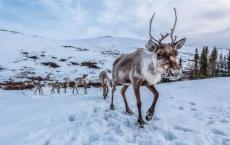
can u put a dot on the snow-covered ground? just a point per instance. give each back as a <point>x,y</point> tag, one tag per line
<point>187,113</point>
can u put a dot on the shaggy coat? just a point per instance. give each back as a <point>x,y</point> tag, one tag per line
<point>139,65</point>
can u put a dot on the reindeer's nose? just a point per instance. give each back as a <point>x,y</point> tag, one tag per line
<point>176,73</point>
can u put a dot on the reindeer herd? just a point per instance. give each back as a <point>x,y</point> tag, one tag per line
<point>143,67</point>
<point>57,86</point>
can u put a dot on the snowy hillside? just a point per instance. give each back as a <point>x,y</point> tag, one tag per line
<point>21,53</point>
<point>187,113</point>
<point>24,55</point>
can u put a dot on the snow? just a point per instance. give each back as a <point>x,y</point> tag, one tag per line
<point>187,113</point>
<point>101,50</point>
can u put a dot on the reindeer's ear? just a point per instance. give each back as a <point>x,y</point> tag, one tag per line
<point>151,46</point>
<point>179,44</point>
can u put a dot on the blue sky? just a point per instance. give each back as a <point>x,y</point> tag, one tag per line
<point>202,21</point>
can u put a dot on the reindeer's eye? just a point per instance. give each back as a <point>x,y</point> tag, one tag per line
<point>176,53</point>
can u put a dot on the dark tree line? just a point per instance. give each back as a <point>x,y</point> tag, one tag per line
<point>209,64</point>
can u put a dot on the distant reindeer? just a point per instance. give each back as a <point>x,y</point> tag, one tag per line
<point>105,82</point>
<point>55,86</point>
<point>143,68</point>
<point>81,81</point>
<point>38,88</point>
<point>65,85</point>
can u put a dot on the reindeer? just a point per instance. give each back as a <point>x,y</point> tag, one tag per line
<point>65,85</point>
<point>105,82</point>
<point>146,68</point>
<point>38,88</point>
<point>55,86</point>
<point>81,81</point>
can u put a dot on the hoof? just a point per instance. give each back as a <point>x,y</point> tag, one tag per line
<point>129,112</point>
<point>112,107</point>
<point>141,123</point>
<point>105,96</point>
<point>149,116</point>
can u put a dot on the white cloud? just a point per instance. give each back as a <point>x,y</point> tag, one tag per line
<point>200,21</point>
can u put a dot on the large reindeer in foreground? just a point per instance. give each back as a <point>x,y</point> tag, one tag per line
<point>143,68</point>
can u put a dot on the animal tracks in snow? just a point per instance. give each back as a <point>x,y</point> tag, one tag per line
<point>218,132</point>
<point>184,129</point>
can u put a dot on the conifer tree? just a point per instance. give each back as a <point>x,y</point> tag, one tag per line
<point>213,63</point>
<point>220,64</point>
<point>196,67</point>
<point>228,63</point>
<point>225,65</point>
<point>180,62</point>
<point>203,72</point>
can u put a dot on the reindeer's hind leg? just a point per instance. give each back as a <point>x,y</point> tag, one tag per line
<point>85,89</point>
<point>151,110</point>
<point>58,90</point>
<point>113,90</point>
<point>107,90</point>
<point>52,90</point>
<point>76,89</point>
<point>123,90</point>
<point>40,91</point>
<point>35,91</point>
<point>73,90</point>
<point>104,91</point>
<point>65,90</point>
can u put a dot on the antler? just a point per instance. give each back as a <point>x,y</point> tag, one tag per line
<point>150,29</point>
<point>150,35</point>
<point>173,38</point>
<point>163,37</point>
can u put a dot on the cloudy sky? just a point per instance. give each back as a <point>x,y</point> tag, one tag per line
<point>203,22</point>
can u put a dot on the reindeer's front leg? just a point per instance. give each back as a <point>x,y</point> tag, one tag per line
<point>123,90</point>
<point>151,110</point>
<point>136,88</point>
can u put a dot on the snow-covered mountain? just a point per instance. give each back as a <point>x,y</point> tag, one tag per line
<point>22,54</point>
